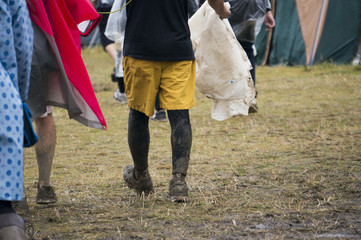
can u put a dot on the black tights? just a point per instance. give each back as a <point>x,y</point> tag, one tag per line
<point>6,207</point>
<point>120,81</point>
<point>181,139</point>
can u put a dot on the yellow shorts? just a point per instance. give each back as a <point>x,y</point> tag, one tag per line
<point>175,82</point>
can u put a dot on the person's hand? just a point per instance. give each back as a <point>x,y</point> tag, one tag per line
<point>224,12</point>
<point>220,7</point>
<point>269,21</point>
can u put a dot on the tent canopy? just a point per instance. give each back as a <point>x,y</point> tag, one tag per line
<point>311,31</point>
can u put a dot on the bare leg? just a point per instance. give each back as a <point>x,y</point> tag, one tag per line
<point>112,51</point>
<point>45,147</point>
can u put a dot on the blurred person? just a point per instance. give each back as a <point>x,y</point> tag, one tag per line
<point>159,114</point>
<point>201,2</point>
<point>59,78</point>
<point>245,14</point>
<point>192,7</point>
<point>105,7</point>
<point>163,64</point>
<point>119,95</point>
<point>16,45</point>
<point>357,59</point>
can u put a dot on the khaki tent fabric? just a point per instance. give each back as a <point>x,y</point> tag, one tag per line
<point>312,15</point>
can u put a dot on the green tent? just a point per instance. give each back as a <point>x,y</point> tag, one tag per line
<point>311,31</point>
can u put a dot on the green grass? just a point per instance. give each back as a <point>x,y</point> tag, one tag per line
<point>293,170</point>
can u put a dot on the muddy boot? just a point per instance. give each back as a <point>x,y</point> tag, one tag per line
<point>181,140</point>
<point>45,195</point>
<point>137,176</point>
<point>141,184</point>
<point>178,189</point>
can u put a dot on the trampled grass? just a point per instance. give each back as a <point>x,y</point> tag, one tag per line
<point>293,170</point>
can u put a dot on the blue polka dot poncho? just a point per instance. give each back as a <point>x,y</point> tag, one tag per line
<point>16,46</point>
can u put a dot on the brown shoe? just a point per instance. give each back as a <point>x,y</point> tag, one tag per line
<point>45,195</point>
<point>143,184</point>
<point>159,116</point>
<point>253,108</point>
<point>178,189</point>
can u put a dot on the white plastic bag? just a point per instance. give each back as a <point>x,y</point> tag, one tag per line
<point>222,65</point>
<point>115,28</point>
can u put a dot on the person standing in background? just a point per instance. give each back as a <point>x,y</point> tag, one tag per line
<point>245,14</point>
<point>192,7</point>
<point>357,59</point>
<point>104,7</point>
<point>201,2</point>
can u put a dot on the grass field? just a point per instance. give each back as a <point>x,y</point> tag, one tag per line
<point>291,171</point>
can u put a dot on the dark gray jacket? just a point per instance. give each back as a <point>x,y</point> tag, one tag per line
<point>244,14</point>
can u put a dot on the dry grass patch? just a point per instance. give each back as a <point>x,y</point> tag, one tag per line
<point>293,170</point>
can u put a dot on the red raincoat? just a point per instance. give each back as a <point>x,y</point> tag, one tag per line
<point>59,20</point>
